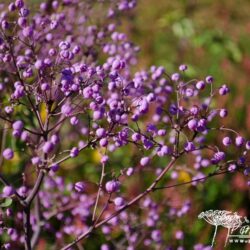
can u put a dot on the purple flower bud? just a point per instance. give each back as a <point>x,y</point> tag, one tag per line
<point>23,191</point>
<point>116,64</point>
<point>226,141</point>
<point>179,235</point>
<point>8,154</point>
<point>80,187</point>
<point>100,132</point>
<point>24,12</point>
<point>7,246</point>
<point>129,171</point>
<point>217,157</point>
<point>55,139</point>
<point>103,142</point>
<point>8,109</point>
<point>192,124</point>
<point>104,159</point>
<point>16,133</point>
<point>105,247</point>
<point>9,212</point>
<point>17,125</point>
<point>10,231</point>
<point>48,147</point>
<point>11,7</point>
<point>161,132</point>
<point>45,86</point>
<point>52,52</point>
<point>64,45</point>
<point>38,64</point>
<point>66,109</point>
<point>164,150</point>
<point>76,49</point>
<point>194,110</point>
<point>248,145</point>
<point>8,191</point>
<point>156,235</point>
<point>223,113</point>
<point>189,146</point>
<point>200,85</point>
<point>54,167</point>
<point>74,120</point>
<point>74,152</point>
<point>5,25</point>
<point>232,167</point>
<point>19,4</point>
<point>151,97</point>
<point>36,160</point>
<point>112,186</point>
<point>239,141</point>
<point>28,31</point>
<point>189,92</point>
<point>175,77</point>
<point>136,137</point>
<point>119,201</point>
<point>144,161</point>
<point>183,67</point>
<point>246,171</point>
<point>209,79</point>
<point>223,90</point>
<point>143,106</point>
<point>22,22</point>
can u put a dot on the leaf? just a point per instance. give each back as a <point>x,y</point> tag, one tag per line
<point>43,112</point>
<point>6,203</point>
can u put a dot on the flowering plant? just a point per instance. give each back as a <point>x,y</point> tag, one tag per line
<point>68,86</point>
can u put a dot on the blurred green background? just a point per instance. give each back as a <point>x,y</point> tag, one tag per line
<point>212,38</point>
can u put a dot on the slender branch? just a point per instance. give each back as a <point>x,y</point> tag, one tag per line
<point>3,141</point>
<point>103,210</point>
<point>37,232</point>
<point>129,204</point>
<point>36,187</point>
<point>194,180</point>
<point>68,156</point>
<point>99,190</point>
<point>31,131</point>
<point>27,227</point>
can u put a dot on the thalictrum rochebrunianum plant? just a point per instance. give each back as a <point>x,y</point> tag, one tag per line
<point>67,86</point>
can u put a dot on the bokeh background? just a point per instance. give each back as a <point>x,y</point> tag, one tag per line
<point>212,38</point>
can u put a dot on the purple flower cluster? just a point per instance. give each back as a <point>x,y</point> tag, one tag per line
<point>67,85</point>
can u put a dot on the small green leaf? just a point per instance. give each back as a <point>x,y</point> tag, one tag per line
<point>6,202</point>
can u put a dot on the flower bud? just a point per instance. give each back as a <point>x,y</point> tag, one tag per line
<point>48,147</point>
<point>112,186</point>
<point>8,154</point>
<point>144,161</point>
<point>80,187</point>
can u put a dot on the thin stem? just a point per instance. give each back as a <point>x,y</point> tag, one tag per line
<point>215,232</point>
<point>3,141</point>
<point>27,227</point>
<point>189,182</point>
<point>103,210</point>
<point>129,204</point>
<point>99,191</point>
<point>37,232</point>
<point>8,120</point>
<point>36,187</point>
